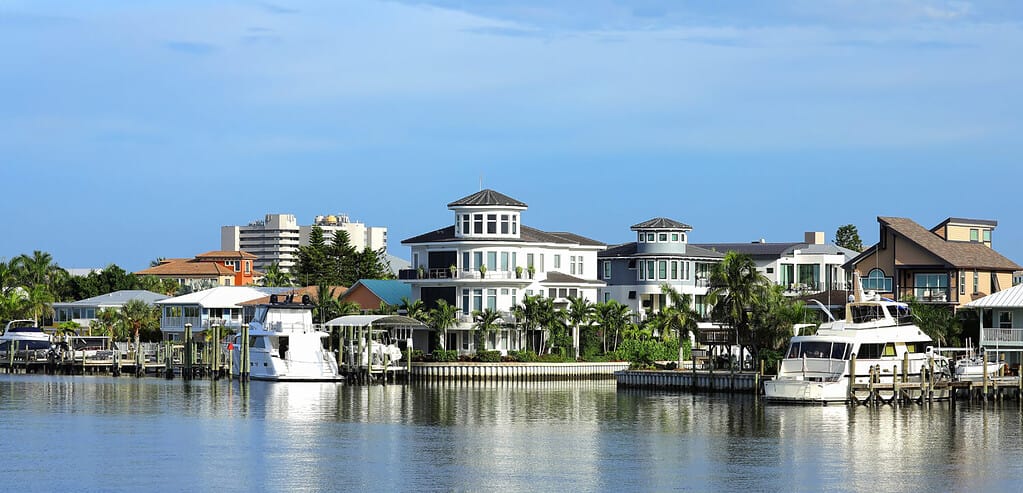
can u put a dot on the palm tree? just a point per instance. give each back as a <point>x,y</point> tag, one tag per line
<point>678,318</point>
<point>737,291</point>
<point>612,316</point>
<point>39,302</point>
<point>38,269</point>
<point>413,309</point>
<point>273,276</point>
<point>580,311</point>
<point>442,317</point>
<point>137,315</point>
<point>327,306</point>
<point>7,276</point>
<point>13,305</point>
<point>487,321</point>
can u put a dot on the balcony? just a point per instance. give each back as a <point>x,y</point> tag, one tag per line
<point>435,274</point>
<point>991,336</point>
<point>927,294</point>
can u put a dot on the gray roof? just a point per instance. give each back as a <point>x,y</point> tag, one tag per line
<point>1006,298</point>
<point>755,249</point>
<point>526,234</point>
<point>487,197</point>
<point>629,250</point>
<point>661,223</point>
<point>118,298</point>
<point>560,278</point>
<point>963,220</point>
<point>955,253</point>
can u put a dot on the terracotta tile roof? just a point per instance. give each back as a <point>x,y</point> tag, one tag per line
<point>959,254</point>
<point>335,291</point>
<point>226,254</point>
<point>187,268</point>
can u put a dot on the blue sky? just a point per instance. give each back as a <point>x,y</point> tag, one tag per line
<point>134,130</point>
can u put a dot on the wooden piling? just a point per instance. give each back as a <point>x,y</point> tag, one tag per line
<point>187,373</point>
<point>243,372</point>
<point>852,376</point>
<point>984,378</point>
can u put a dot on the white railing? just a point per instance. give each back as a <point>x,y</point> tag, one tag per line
<point>990,334</point>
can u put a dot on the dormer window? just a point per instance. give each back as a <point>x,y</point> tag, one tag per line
<point>642,237</point>
<point>491,224</point>
<point>662,237</point>
<point>650,237</point>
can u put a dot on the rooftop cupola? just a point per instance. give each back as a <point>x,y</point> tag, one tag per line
<point>661,235</point>
<point>487,214</point>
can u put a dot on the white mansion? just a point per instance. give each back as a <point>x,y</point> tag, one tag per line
<point>489,259</point>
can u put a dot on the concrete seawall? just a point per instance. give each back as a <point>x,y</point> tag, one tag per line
<point>743,382</point>
<point>525,372</point>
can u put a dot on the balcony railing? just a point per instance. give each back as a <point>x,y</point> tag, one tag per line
<point>925,294</point>
<point>410,274</point>
<point>995,335</point>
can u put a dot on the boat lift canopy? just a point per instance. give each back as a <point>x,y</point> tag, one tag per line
<point>378,321</point>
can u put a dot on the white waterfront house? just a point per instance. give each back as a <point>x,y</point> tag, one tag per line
<point>489,259</point>
<point>222,305</point>
<point>634,272</point>
<point>84,312</point>
<point>806,267</point>
<point>1001,324</point>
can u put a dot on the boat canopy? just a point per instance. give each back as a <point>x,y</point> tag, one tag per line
<point>380,321</point>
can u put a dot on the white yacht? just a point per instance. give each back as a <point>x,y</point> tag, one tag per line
<point>878,331</point>
<point>284,345</point>
<point>25,336</point>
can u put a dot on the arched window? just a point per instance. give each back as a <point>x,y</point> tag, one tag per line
<point>877,281</point>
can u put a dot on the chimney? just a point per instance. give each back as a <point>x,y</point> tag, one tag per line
<point>814,237</point>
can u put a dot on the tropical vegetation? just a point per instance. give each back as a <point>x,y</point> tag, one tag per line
<point>337,262</point>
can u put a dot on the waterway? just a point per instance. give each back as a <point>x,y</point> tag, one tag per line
<point>125,434</point>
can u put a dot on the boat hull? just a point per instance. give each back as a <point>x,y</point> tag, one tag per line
<point>806,391</point>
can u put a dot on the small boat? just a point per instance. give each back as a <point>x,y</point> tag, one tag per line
<point>24,335</point>
<point>971,368</point>
<point>878,331</point>
<point>284,345</point>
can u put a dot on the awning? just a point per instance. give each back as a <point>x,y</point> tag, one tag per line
<point>381,321</point>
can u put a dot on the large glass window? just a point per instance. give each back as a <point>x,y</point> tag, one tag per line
<point>662,269</point>
<point>788,277</point>
<point>505,224</point>
<point>607,269</point>
<point>492,261</point>
<point>674,269</point>
<point>477,260</point>
<point>477,224</point>
<point>477,299</point>
<point>930,287</point>
<point>650,269</point>
<point>809,275</point>
<point>465,262</point>
<point>465,301</point>
<point>492,299</point>
<point>504,261</point>
<point>465,224</point>
<point>1005,320</point>
<point>974,235</point>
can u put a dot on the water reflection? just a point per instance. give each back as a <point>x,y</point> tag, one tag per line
<point>128,434</point>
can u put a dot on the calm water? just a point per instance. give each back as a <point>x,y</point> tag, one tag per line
<point>105,434</point>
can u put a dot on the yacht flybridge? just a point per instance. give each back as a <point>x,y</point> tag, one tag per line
<point>879,332</point>
<point>284,345</point>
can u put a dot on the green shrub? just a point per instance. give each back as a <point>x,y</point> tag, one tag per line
<point>417,355</point>
<point>644,352</point>
<point>488,356</point>
<point>523,356</point>
<point>553,358</point>
<point>442,356</point>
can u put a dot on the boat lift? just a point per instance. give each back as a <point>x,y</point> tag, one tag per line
<point>370,347</point>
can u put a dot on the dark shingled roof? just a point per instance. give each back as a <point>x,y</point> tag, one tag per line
<point>661,223</point>
<point>954,253</point>
<point>487,197</point>
<point>752,249</point>
<point>526,234</point>
<point>559,278</point>
<point>629,250</point>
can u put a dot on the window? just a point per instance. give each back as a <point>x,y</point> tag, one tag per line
<point>529,261</point>
<point>976,281</point>
<point>515,260</point>
<point>515,298</point>
<point>674,269</point>
<point>1005,320</point>
<point>492,299</point>
<point>492,224</point>
<point>504,261</point>
<point>477,224</point>
<point>557,261</point>
<point>962,282</point>
<point>607,297</point>
<point>650,237</point>
<point>540,268</point>
<point>931,287</point>
<point>477,260</point>
<point>987,236</point>
<point>650,269</point>
<point>248,266</point>
<point>770,270</point>
<point>663,237</point>
<point>415,260</point>
<point>515,224</point>
<point>662,269</point>
<point>674,237</point>
<point>465,224</point>
<point>465,262</point>
<point>642,237</point>
<point>571,263</point>
<point>685,270</point>
<point>788,276</point>
<point>492,261</point>
<point>877,281</point>
<point>974,236</point>
<point>579,266</point>
<point>505,224</point>
<point>477,300</point>
<point>607,269</point>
